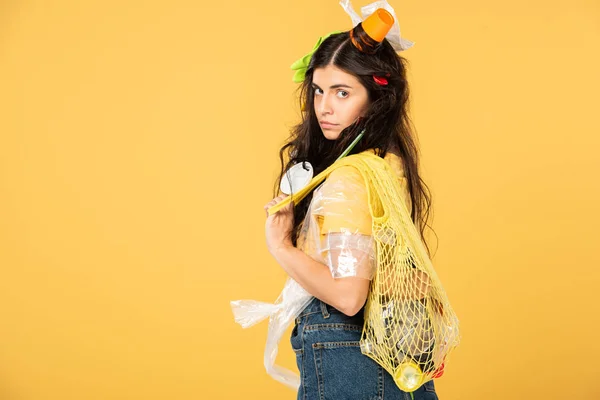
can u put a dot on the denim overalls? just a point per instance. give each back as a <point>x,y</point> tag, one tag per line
<point>331,365</point>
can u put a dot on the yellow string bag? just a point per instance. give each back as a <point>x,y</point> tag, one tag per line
<point>410,327</point>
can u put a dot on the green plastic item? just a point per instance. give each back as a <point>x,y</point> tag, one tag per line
<point>301,65</point>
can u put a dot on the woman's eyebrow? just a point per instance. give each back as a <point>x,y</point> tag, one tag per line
<point>339,85</point>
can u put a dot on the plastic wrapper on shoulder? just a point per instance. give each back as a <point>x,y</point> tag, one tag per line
<point>337,227</point>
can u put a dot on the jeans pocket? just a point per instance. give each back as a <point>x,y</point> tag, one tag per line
<point>429,386</point>
<point>343,372</point>
<point>296,339</point>
<point>428,392</point>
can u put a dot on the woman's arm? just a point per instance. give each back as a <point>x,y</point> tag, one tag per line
<point>348,295</point>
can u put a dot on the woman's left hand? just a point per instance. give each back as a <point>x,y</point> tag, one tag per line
<point>279,225</point>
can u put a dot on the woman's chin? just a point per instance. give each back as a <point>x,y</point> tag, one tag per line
<point>330,135</point>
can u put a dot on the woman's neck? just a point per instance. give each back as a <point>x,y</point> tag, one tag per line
<point>394,150</point>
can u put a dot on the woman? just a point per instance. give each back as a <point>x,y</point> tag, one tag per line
<point>354,83</point>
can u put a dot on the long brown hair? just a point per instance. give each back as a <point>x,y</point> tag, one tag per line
<point>387,124</point>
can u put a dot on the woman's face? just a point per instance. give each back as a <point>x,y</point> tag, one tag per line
<point>339,100</point>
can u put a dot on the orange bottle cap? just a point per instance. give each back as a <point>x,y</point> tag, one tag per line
<point>378,24</point>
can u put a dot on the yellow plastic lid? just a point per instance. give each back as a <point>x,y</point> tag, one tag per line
<point>408,376</point>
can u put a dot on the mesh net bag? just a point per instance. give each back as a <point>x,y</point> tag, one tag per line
<point>410,327</point>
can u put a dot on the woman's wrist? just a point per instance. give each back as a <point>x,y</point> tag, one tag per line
<point>282,248</point>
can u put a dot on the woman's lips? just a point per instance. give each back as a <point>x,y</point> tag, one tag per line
<point>327,125</point>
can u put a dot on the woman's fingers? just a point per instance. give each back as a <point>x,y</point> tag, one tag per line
<point>275,201</point>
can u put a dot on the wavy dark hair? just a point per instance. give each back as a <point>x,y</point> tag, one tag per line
<point>386,123</point>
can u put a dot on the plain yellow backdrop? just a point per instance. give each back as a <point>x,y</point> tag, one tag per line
<point>138,145</point>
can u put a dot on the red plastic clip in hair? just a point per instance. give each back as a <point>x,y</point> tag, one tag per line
<point>380,80</point>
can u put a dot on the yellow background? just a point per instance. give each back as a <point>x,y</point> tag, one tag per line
<point>138,145</point>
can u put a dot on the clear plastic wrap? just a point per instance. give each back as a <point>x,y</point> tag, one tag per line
<point>281,314</point>
<point>337,228</point>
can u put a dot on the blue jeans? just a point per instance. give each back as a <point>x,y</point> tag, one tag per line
<point>331,365</point>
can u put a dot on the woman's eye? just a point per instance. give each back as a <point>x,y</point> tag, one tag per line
<point>318,91</point>
<point>342,94</point>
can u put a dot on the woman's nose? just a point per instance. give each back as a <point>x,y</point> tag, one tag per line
<point>324,106</point>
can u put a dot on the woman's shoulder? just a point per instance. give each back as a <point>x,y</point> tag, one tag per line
<point>392,157</point>
<point>344,181</point>
<point>345,177</point>
<point>352,176</point>
<point>344,171</point>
